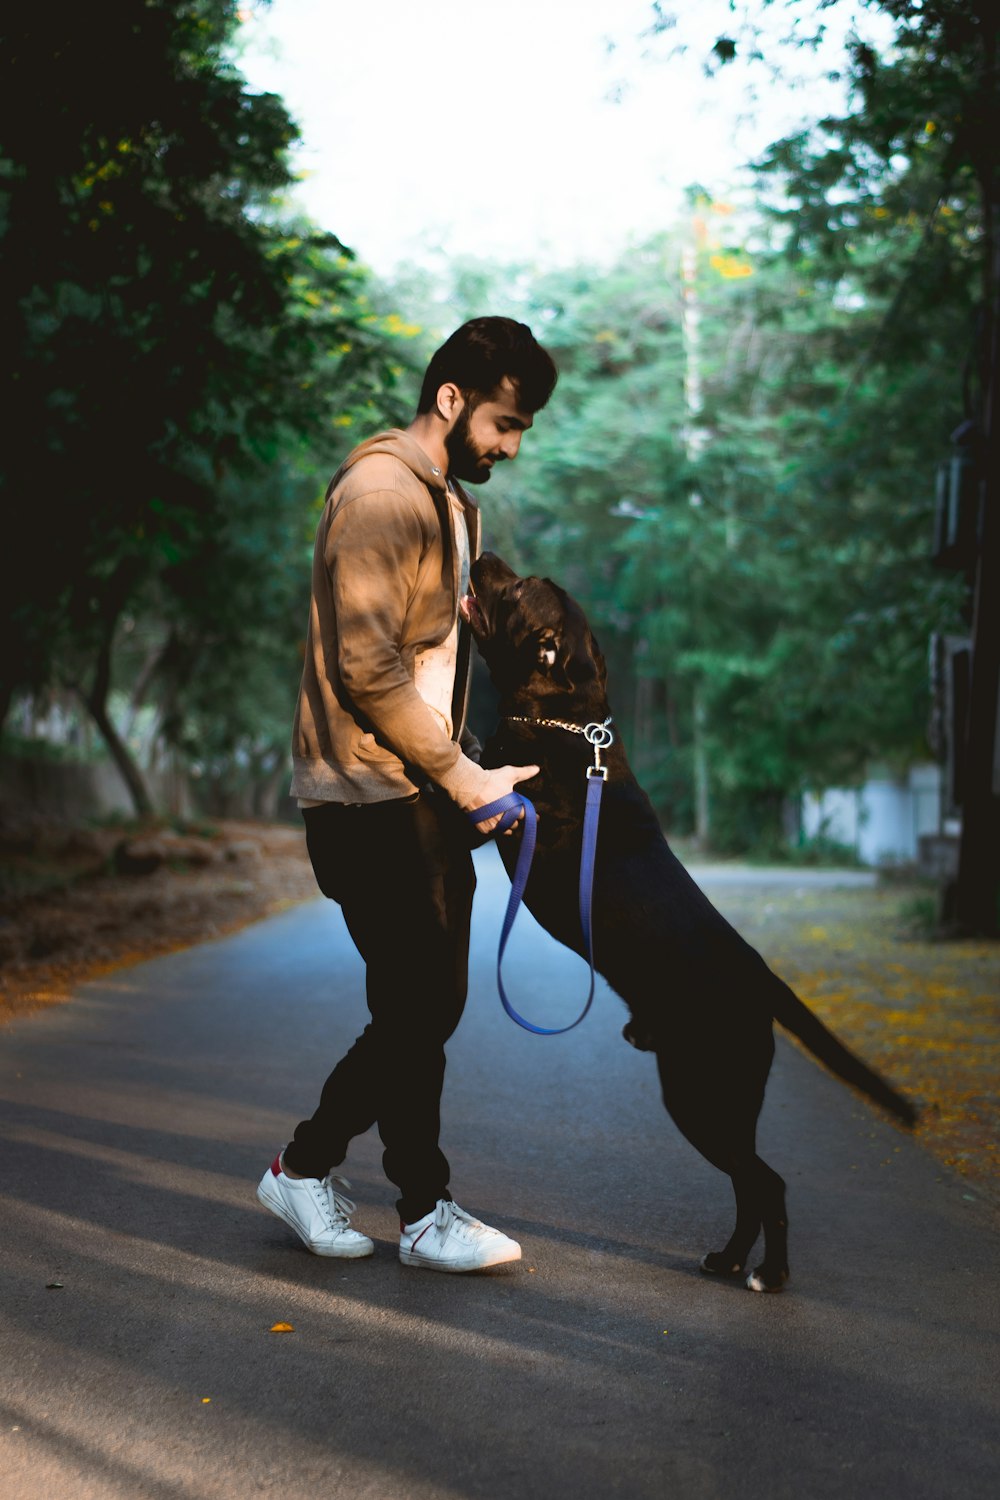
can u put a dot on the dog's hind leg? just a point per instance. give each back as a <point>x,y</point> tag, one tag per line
<point>760,1204</point>
<point>772,1273</point>
<point>732,1258</point>
<point>742,1166</point>
<point>716,1108</point>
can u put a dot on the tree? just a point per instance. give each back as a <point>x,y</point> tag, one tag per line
<point>771,575</point>
<point>919,150</point>
<point>176,349</point>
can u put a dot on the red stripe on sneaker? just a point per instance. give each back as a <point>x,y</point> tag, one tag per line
<point>276,1165</point>
<point>420,1236</point>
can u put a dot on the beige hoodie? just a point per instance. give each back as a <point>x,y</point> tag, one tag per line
<point>384,589</point>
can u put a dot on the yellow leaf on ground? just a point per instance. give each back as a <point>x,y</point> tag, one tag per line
<point>282,1328</point>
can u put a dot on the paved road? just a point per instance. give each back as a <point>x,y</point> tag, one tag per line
<point>139,1118</point>
<point>782,877</point>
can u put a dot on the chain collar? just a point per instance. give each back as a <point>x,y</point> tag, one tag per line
<point>600,736</point>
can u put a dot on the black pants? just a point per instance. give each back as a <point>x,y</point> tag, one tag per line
<point>402,874</point>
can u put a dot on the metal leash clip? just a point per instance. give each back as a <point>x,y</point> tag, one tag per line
<point>600,736</point>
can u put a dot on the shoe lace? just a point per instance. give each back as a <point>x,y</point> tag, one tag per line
<point>448,1217</point>
<point>337,1206</point>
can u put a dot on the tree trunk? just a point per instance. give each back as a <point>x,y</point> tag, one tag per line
<point>268,787</point>
<point>702,800</point>
<point>6,695</point>
<point>670,710</point>
<point>977,887</point>
<point>96,701</point>
<point>148,670</point>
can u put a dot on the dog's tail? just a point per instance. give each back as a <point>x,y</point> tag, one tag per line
<point>791,1013</point>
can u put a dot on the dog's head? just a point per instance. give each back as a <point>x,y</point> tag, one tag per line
<point>533,637</point>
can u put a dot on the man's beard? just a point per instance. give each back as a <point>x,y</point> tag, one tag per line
<point>465,461</point>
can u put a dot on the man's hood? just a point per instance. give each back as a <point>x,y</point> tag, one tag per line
<point>398,444</point>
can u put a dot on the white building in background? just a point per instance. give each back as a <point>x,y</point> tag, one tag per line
<point>883,820</point>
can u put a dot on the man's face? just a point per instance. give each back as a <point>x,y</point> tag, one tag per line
<point>487,434</point>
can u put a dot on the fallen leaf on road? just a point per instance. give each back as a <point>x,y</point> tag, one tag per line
<point>282,1328</point>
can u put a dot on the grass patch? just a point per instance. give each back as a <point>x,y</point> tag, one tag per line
<point>919,917</point>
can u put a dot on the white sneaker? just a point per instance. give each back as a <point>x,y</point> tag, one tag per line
<point>449,1239</point>
<point>317,1212</point>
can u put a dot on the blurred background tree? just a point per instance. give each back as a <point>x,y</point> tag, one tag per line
<point>896,203</point>
<point>735,475</point>
<point>761,565</point>
<point>776,571</point>
<point>177,355</point>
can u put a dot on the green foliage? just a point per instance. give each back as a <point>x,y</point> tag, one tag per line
<point>777,568</point>
<point>186,370</point>
<point>774,568</point>
<point>188,365</point>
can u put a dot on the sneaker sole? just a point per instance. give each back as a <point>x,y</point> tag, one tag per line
<point>348,1252</point>
<point>426,1263</point>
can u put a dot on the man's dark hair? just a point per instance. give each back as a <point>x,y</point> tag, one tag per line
<point>480,354</point>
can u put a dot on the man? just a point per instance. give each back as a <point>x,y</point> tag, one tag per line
<point>385,773</point>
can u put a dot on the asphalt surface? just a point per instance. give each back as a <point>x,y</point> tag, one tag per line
<point>141,1280</point>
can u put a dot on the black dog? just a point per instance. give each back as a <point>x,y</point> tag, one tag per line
<point>700,997</point>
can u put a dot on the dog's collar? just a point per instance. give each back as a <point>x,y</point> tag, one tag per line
<point>600,736</point>
<point>584,729</point>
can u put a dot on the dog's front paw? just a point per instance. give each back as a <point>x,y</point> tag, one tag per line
<point>637,1037</point>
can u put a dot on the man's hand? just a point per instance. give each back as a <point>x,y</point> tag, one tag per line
<point>501,783</point>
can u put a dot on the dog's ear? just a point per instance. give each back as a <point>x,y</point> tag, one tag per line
<point>577,665</point>
<point>566,660</point>
<point>547,649</point>
<point>600,665</point>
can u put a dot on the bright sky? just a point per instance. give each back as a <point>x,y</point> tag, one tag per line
<point>534,130</point>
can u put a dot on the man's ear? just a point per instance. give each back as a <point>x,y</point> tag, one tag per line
<point>449,400</point>
<point>547,644</point>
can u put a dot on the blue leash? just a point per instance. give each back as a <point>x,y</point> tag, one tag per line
<point>511,808</point>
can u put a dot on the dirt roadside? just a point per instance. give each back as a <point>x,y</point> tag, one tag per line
<point>925,1014</point>
<point>76,903</point>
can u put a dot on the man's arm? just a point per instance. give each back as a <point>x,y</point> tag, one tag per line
<point>470,745</point>
<point>372,553</point>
